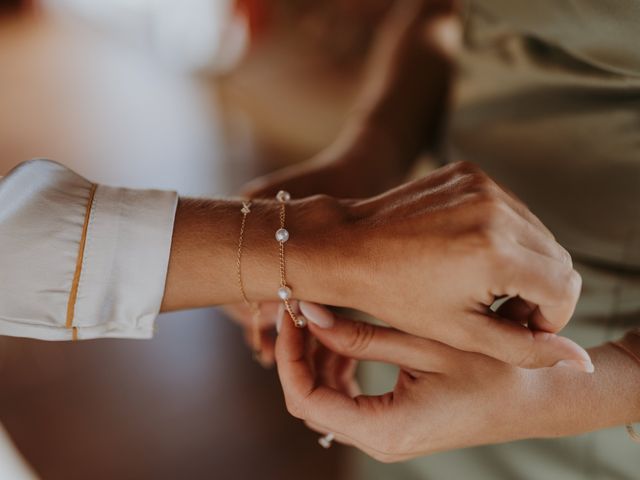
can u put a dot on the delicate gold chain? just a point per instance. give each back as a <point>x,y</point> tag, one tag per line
<point>283,271</point>
<point>282,235</point>
<point>253,307</point>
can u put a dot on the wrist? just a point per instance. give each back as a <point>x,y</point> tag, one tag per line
<point>577,403</point>
<point>316,262</point>
<point>203,262</point>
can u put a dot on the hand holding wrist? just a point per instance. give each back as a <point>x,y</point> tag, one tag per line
<point>430,257</point>
<point>444,398</point>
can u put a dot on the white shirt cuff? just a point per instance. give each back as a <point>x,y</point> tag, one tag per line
<point>79,260</point>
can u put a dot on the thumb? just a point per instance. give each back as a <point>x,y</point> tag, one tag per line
<point>364,341</point>
<point>518,345</point>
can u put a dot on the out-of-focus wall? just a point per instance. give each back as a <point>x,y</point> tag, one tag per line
<point>190,34</point>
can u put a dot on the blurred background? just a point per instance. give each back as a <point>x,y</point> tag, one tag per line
<point>197,96</point>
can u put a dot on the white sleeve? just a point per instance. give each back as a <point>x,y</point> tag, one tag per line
<point>80,260</point>
<point>12,465</point>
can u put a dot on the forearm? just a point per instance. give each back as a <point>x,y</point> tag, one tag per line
<point>407,88</point>
<point>398,114</point>
<point>203,262</point>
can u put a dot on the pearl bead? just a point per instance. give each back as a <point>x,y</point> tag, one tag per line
<point>284,293</point>
<point>300,321</point>
<point>283,196</point>
<point>282,235</point>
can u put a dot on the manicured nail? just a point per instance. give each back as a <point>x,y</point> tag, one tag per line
<point>279,317</point>
<point>580,365</point>
<point>320,316</point>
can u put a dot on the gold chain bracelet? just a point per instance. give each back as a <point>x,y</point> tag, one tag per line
<point>253,307</point>
<point>282,236</point>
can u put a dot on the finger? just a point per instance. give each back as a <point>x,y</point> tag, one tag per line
<point>337,371</point>
<point>552,286</point>
<point>308,400</point>
<point>267,349</point>
<point>345,374</point>
<point>530,236</point>
<point>240,313</point>
<point>369,342</point>
<point>517,345</point>
<point>263,347</point>
<point>516,309</point>
<point>533,238</point>
<point>267,315</point>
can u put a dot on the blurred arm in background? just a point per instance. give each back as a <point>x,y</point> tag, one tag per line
<point>397,116</point>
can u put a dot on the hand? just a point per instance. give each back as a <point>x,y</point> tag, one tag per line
<point>259,334</point>
<point>432,256</point>
<point>444,398</point>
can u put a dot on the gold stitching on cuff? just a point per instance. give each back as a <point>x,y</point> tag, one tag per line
<point>73,294</point>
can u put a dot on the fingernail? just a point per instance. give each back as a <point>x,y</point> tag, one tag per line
<point>580,365</point>
<point>279,317</point>
<point>319,315</point>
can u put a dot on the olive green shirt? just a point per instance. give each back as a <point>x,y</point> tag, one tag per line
<point>548,103</point>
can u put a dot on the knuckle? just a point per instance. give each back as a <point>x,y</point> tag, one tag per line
<point>567,257</point>
<point>572,286</point>
<point>483,183</point>
<point>361,338</point>
<point>476,180</point>
<point>294,408</point>
<point>466,167</point>
<point>527,355</point>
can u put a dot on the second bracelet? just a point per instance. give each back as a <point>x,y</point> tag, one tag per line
<point>282,236</point>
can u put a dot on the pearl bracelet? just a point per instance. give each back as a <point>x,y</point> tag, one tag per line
<point>282,236</point>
